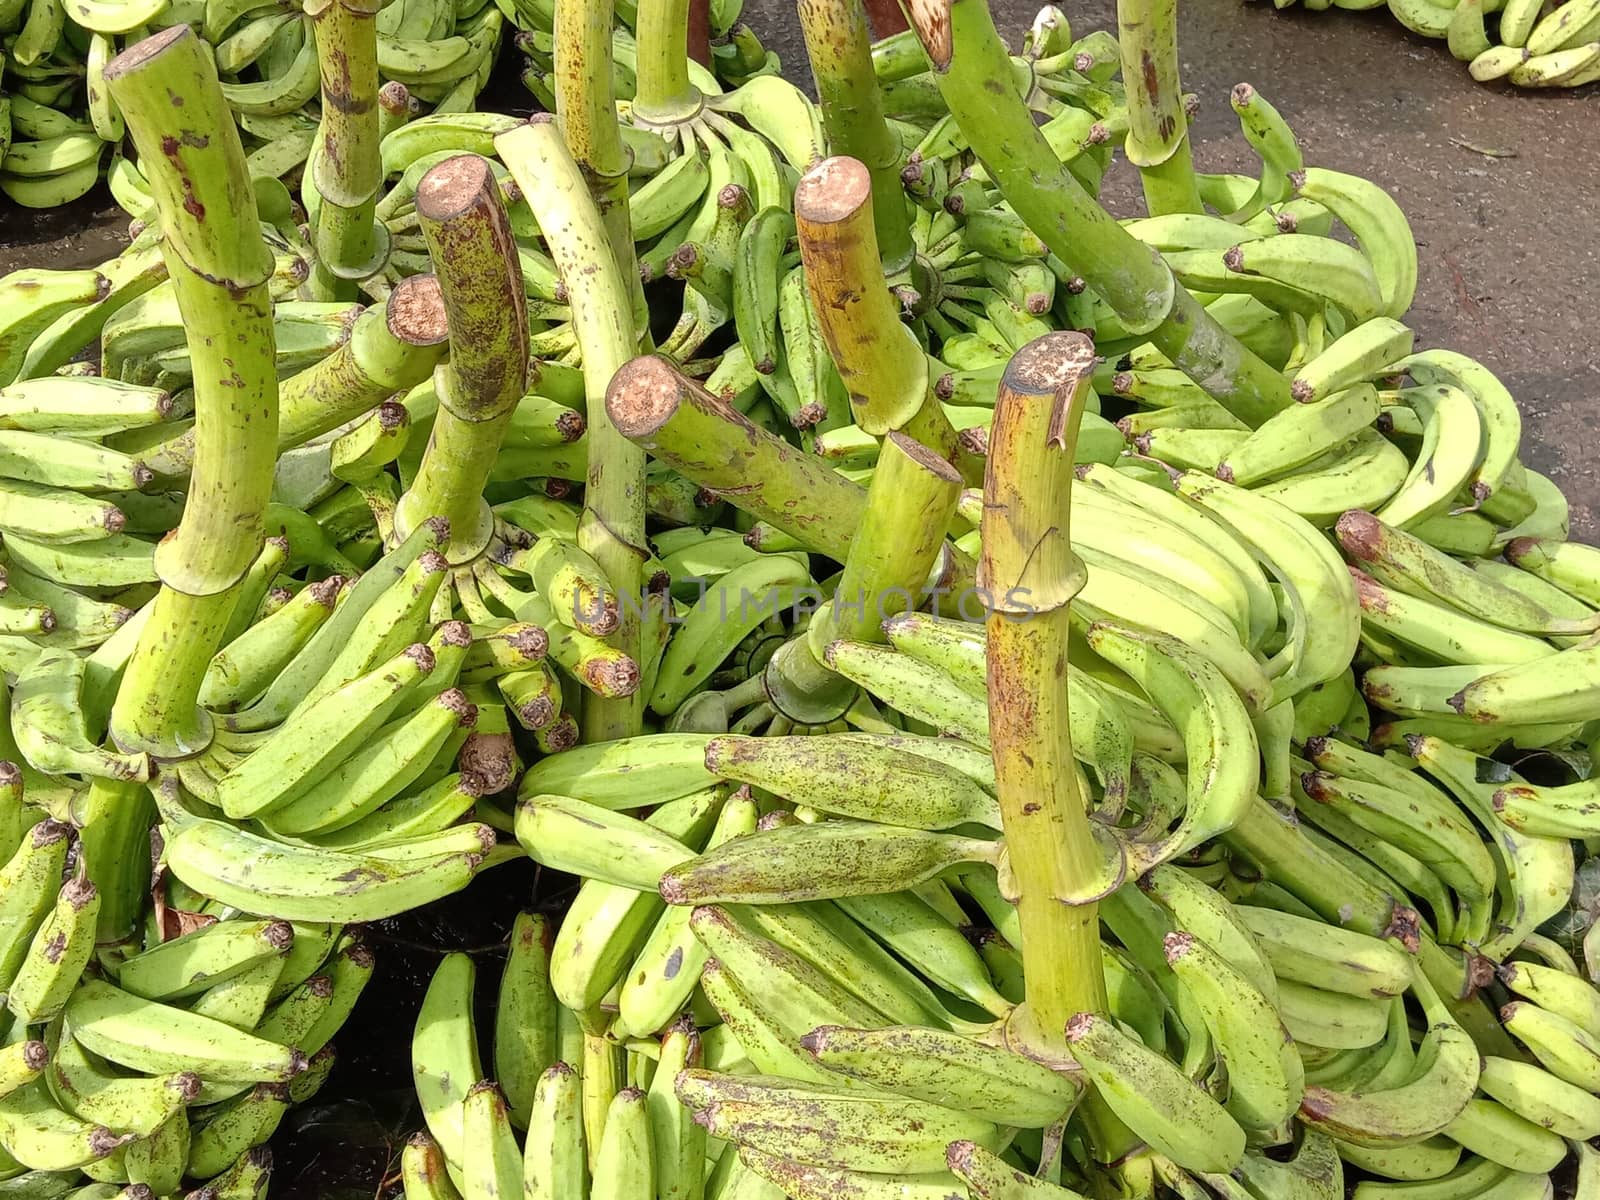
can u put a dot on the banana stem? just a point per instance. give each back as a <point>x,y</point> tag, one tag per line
<point>974,75</point>
<point>1030,575</point>
<point>1157,141</point>
<point>909,505</point>
<point>721,450</point>
<point>393,347</point>
<point>882,365</point>
<point>840,49</point>
<point>475,259</point>
<point>346,171</point>
<point>611,530</point>
<point>586,112</point>
<point>663,94</point>
<point>167,89</point>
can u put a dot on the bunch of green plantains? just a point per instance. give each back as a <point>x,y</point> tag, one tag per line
<point>1032,704</point>
<point>1527,43</point>
<point>59,117</point>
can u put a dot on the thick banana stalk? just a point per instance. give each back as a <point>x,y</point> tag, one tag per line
<point>1030,574</point>
<point>665,412</point>
<point>346,170</point>
<point>879,359</point>
<point>1158,127</point>
<point>586,114</point>
<point>909,505</point>
<point>393,347</point>
<point>840,50</point>
<point>167,89</point>
<point>663,94</point>
<point>685,426</point>
<point>469,238</point>
<point>974,74</point>
<point>611,530</point>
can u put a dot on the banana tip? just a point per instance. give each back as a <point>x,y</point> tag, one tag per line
<point>1177,945</point>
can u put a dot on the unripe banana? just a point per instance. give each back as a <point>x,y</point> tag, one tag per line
<point>1153,1098</point>
<point>849,1131</point>
<point>606,924</point>
<point>1572,996</point>
<point>991,1082</point>
<point>28,886</point>
<point>667,968</point>
<point>319,734</point>
<point>303,883</point>
<point>444,1054</point>
<point>819,862</point>
<point>1361,354</point>
<point>555,1164</point>
<point>20,1064</point>
<point>197,961</point>
<point>1490,1129</point>
<point>1565,1048</point>
<point>157,1038</point>
<point>525,1016</point>
<point>595,843</point>
<point>1540,1097</point>
<point>493,1164</point>
<point>57,956</point>
<point>1265,1075</point>
<point>37,1134</point>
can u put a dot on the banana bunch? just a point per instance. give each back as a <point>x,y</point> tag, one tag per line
<point>736,52</point>
<point>52,143</point>
<point>171,1058</point>
<point>600,1116</point>
<point>1527,43</point>
<point>848,1034</point>
<point>61,119</point>
<point>1071,84</point>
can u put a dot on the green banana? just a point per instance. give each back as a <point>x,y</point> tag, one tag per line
<point>156,1038</point>
<point>991,1082</point>
<point>1153,1098</point>
<point>850,1131</point>
<point>1265,1075</point>
<point>444,1055</point>
<point>57,955</point>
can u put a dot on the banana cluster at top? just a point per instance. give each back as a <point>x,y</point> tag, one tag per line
<point>1032,704</point>
<point>1527,43</point>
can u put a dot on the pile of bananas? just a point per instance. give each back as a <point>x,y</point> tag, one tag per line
<point>59,119</point>
<point>1033,705</point>
<point>181,1054</point>
<point>1527,43</point>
